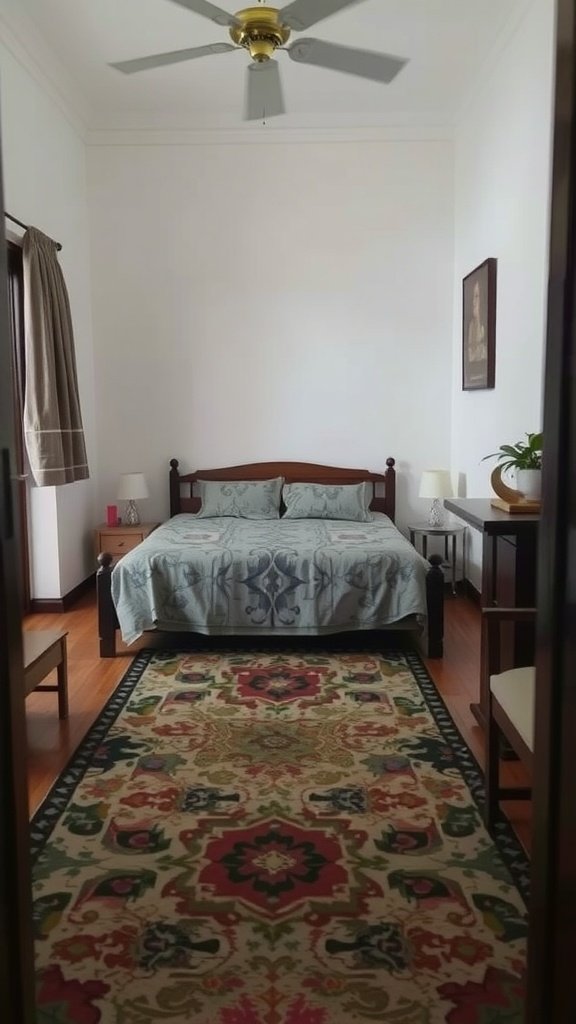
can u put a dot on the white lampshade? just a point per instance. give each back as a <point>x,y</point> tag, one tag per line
<point>132,486</point>
<point>436,483</point>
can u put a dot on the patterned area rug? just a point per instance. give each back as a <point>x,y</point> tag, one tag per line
<point>275,838</point>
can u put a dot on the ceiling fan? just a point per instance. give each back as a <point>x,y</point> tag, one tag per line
<point>262,31</point>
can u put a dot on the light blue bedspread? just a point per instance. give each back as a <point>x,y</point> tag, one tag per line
<point>284,577</point>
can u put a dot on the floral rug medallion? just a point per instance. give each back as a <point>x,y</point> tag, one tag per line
<point>275,838</point>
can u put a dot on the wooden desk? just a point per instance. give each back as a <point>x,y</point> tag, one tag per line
<point>509,556</point>
<point>44,650</point>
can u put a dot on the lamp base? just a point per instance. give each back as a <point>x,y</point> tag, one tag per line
<point>436,514</point>
<point>131,517</point>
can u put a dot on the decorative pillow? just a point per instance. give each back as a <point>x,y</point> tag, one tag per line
<point>328,501</point>
<point>244,499</point>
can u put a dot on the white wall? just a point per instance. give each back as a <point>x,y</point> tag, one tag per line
<point>272,301</point>
<point>502,182</point>
<point>44,161</point>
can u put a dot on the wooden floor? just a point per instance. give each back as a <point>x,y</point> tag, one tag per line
<point>92,679</point>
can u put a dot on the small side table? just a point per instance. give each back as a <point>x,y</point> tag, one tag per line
<point>425,530</point>
<point>118,540</point>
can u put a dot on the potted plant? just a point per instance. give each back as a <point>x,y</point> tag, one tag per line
<point>525,459</point>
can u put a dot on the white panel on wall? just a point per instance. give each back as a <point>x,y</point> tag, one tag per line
<point>43,550</point>
<point>278,301</point>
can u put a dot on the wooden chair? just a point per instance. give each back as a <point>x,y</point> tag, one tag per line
<point>510,709</point>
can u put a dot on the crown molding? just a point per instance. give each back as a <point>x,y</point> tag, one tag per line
<point>22,41</point>
<point>401,130</point>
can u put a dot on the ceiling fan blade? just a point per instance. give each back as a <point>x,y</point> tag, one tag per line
<point>158,60</point>
<point>302,14</point>
<point>208,11</point>
<point>263,91</point>
<point>381,67</point>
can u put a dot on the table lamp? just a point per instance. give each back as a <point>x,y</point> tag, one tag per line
<point>132,486</point>
<point>436,484</point>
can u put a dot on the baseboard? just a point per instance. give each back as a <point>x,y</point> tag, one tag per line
<point>53,605</point>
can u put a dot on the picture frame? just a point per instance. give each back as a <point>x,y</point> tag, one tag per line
<point>479,327</point>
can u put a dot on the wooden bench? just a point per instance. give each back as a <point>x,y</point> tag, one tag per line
<point>45,650</point>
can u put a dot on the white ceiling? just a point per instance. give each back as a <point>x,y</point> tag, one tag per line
<point>447,42</point>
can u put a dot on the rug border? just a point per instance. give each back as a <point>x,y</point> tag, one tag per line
<point>48,813</point>
<point>509,846</point>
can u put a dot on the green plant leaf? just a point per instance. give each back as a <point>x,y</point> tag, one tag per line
<point>522,455</point>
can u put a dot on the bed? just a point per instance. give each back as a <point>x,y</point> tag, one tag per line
<point>290,568</point>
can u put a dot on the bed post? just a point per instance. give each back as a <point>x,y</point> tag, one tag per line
<point>107,621</point>
<point>390,489</point>
<point>435,605</point>
<point>174,488</point>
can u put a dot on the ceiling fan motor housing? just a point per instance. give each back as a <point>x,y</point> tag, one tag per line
<point>260,31</point>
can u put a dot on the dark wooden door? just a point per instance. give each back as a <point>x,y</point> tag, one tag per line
<point>551,993</point>
<point>20,486</point>
<point>16,951</point>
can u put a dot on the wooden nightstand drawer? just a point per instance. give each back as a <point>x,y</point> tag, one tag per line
<point>118,540</point>
<point>120,543</point>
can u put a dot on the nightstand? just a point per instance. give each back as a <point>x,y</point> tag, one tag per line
<point>117,540</point>
<point>425,530</point>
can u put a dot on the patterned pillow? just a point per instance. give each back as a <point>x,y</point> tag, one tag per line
<point>244,499</point>
<point>328,501</point>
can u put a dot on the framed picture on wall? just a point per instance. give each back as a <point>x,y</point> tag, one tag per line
<point>479,327</point>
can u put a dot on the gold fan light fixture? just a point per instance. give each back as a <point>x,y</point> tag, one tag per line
<point>260,31</point>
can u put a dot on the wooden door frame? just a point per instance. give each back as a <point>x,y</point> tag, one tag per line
<point>16,317</point>
<point>553,904</point>
<point>17,988</point>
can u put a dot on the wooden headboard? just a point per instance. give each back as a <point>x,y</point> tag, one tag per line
<point>182,498</point>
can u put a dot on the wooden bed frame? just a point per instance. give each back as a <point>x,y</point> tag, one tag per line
<point>182,499</point>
